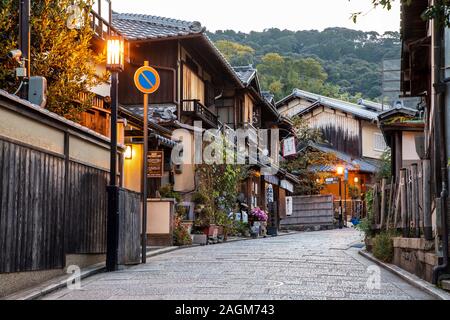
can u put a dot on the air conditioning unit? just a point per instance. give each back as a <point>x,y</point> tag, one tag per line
<point>37,91</point>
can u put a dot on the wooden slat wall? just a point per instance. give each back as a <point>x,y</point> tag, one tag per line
<point>87,209</point>
<point>193,85</point>
<point>130,231</point>
<point>36,217</point>
<point>31,209</point>
<point>310,211</point>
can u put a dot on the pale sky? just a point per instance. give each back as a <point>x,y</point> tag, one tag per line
<point>256,15</point>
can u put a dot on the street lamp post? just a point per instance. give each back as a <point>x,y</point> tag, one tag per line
<point>340,170</point>
<point>115,64</point>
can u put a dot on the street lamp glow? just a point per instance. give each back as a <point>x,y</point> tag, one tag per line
<point>340,170</point>
<point>115,54</point>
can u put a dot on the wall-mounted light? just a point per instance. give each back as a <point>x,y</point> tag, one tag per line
<point>340,170</point>
<point>356,180</point>
<point>115,54</point>
<point>129,152</point>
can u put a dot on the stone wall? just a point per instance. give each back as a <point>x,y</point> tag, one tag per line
<point>416,256</point>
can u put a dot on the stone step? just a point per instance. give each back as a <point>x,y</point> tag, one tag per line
<point>446,285</point>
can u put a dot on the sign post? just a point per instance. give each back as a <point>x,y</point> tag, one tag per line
<point>146,80</point>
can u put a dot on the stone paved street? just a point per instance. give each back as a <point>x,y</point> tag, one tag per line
<point>316,265</point>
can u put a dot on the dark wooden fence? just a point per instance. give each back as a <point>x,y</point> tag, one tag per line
<point>403,203</point>
<point>130,227</point>
<point>310,211</point>
<point>86,208</point>
<point>51,206</point>
<point>31,209</point>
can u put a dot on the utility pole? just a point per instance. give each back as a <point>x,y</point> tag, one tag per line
<point>24,43</point>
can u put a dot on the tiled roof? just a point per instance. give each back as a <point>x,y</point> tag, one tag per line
<point>269,96</point>
<point>359,164</point>
<point>245,73</point>
<point>340,105</point>
<point>403,111</point>
<point>145,27</point>
<point>374,106</point>
<point>157,113</point>
<point>142,27</point>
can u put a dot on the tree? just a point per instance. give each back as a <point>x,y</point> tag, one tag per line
<point>440,10</point>
<point>237,54</point>
<point>62,55</point>
<point>332,62</point>
<point>304,162</point>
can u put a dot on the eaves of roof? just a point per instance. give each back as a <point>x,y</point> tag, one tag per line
<point>332,103</point>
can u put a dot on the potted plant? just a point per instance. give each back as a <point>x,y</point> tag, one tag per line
<point>258,218</point>
<point>181,236</point>
<point>200,199</point>
<point>199,237</point>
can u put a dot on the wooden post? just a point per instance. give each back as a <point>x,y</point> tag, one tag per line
<point>376,206</point>
<point>427,226</point>
<point>383,202</point>
<point>391,197</point>
<point>404,202</point>
<point>397,205</point>
<point>415,202</point>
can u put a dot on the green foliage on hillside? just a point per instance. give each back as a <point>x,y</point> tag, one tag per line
<point>338,62</point>
<point>63,55</point>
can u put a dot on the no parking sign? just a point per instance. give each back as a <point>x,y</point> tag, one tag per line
<point>147,79</point>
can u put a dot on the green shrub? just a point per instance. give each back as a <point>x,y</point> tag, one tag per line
<point>167,192</point>
<point>199,198</point>
<point>365,226</point>
<point>181,236</point>
<point>383,248</point>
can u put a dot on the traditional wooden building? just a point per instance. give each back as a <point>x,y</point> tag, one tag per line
<point>350,131</point>
<point>199,85</point>
<point>421,169</point>
<point>268,185</point>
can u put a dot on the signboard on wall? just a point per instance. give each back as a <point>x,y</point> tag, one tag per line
<point>269,194</point>
<point>155,160</point>
<point>329,181</point>
<point>289,147</point>
<point>289,207</point>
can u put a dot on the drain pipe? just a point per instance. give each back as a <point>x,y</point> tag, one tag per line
<point>443,99</point>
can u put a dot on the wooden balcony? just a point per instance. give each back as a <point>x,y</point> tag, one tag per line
<point>102,27</point>
<point>96,118</point>
<point>196,110</point>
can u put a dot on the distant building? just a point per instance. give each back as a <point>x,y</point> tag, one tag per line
<point>350,130</point>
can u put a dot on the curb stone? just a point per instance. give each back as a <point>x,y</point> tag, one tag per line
<point>408,277</point>
<point>53,285</point>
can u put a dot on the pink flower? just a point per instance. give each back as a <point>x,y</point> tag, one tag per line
<point>259,215</point>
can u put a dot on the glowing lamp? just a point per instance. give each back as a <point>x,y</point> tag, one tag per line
<point>115,54</point>
<point>340,170</point>
<point>129,152</point>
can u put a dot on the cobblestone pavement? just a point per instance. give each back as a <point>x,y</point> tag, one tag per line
<point>315,265</point>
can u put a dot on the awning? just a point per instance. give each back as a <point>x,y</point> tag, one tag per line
<point>163,140</point>
<point>272,179</point>
<point>284,184</point>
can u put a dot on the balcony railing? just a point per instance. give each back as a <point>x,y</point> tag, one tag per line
<point>195,108</point>
<point>102,27</point>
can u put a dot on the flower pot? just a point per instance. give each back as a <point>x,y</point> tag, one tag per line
<point>211,231</point>
<point>201,239</point>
